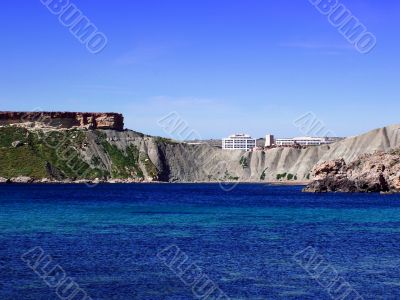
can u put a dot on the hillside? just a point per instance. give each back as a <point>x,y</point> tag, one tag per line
<point>78,153</point>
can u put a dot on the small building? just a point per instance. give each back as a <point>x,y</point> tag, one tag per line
<point>238,142</point>
<point>269,140</point>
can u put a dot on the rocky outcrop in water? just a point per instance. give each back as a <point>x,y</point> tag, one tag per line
<point>378,172</point>
<point>63,120</point>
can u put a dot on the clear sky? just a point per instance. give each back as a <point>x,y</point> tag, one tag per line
<point>225,66</point>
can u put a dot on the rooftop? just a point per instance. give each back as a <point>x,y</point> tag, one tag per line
<point>239,136</point>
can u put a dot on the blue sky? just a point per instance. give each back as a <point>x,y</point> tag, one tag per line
<point>224,66</point>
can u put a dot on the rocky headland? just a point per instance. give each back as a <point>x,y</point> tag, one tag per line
<point>377,172</point>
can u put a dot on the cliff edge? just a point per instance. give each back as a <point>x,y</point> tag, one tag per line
<point>63,120</point>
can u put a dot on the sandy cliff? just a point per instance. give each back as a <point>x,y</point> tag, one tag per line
<point>183,162</point>
<point>192,163</point>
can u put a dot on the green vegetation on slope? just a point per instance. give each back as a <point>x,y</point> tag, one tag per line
<point>281,176</point>
<point>43,153</point>
<point>243,162</point>
<point>159,139</point>
<point>62,150</point>
<point>59,154</point>
<point>21,161</point>
<point>228,176</point>
<point>151,169</point>
<point>124,164</point>
<point>287,176</point>
<point>262,176</point>
<point>11,134</point>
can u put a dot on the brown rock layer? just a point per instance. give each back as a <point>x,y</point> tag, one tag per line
<point>378,172</point>
<point>64,119</point>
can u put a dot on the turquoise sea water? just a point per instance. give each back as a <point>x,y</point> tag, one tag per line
<point>107,239</point>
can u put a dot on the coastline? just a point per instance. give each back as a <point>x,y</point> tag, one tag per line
<point>27,180</point>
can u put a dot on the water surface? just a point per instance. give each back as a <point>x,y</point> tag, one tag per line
<point>107,239</point>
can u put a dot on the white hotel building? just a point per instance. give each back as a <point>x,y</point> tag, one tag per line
<point>304,141</point>
<point>239,142</point>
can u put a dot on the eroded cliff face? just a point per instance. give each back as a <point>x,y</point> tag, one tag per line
<point>63,120</point>
<point>131,156</point>
<point>177,162</point>
<point>202,163</point>
<point>191,163</point>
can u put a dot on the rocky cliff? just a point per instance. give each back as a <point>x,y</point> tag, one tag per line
<point>377,172</point>
<point>130,156</point>
<point>63,120</point>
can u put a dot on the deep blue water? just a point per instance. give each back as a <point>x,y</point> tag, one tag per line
<point>107,239</point>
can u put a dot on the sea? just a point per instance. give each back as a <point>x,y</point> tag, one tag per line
<point>196,241</point>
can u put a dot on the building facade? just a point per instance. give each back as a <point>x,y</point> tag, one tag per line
<point>304,141</point>
<point>238,142</point>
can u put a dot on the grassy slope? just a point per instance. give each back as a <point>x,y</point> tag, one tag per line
<point>40,151</point>
<point>59,151</point>
<point>124,164</point>
<point>21,161</point>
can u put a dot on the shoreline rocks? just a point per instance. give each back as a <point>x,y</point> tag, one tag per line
<point>370,173</point>
<point>29,180</point>
<point>4,180</point>
<point>133,180</point>
<point>21,179</point>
